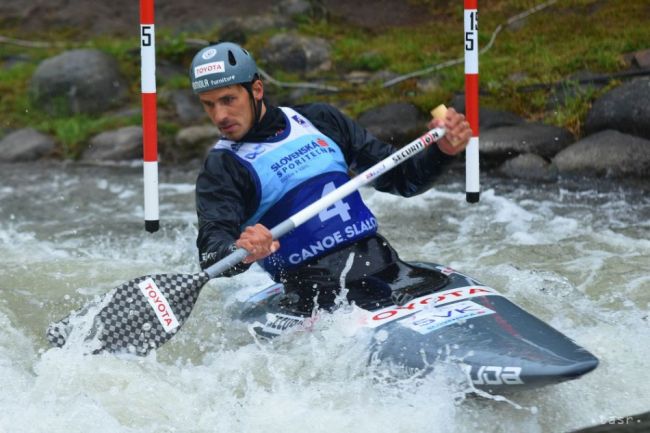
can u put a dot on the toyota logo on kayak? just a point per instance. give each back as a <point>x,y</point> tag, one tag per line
<point>378,318</point>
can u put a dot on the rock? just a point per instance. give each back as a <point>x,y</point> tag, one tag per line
<point>529,166</point>
<point>397,123</point>
<point>609,153</point>
<point>624,108</point>
<point>383,76</point>
<point>298,54</point>
<point>187,106</point>
<point>537,138</point>
<point>427,85</point>
<point>167,71</point>
<point>84,81</point>
<point>233,31</point>
<point>25,145</point>
<point>117,145</point>
<point>195,141</point>
<point>487,117</point>
<point>638,59</point>
<point>358,77</point>
<point>293,8</point>
<point>237,29</point>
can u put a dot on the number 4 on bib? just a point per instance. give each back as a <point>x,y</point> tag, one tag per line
<point>339,208</point>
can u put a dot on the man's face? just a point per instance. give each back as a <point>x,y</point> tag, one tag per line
<point>230,109</point>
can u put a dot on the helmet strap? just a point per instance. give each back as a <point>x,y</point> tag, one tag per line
<point>255,105</point>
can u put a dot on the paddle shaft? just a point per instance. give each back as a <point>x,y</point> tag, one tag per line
<point>406,152</point>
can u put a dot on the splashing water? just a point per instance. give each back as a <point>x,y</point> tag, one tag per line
<point>577,258</point>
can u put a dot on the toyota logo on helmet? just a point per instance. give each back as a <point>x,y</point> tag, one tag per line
<point>221,65</point>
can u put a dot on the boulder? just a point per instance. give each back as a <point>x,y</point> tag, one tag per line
<point>187,106</point>
<point>487,117</point>
<point>397,123</point>
<point>84,81</point>
<point>638,59</point>
<point>298,54</point>
<point>609,153</point>
<point>25,144</point>
<point>624,108</point>
<point>236,29</point>
<point>529,166</point>
<point>540,139</point>
<point>117,145</point>
<point>295,8</point>
<point>195,141</point>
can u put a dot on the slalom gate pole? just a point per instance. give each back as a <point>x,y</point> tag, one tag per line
<point>472,188</point>
<point>149,114</point>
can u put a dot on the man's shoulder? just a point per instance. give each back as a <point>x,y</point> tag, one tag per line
<point>329,119</point>
<point>317,110</point>
<point>221,158</point>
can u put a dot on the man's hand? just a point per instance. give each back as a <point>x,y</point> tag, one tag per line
<point>258,241</point>
<point>457,133</point>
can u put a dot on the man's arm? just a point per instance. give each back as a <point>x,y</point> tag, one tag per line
<point>362,150</point>
<point>225,198</point>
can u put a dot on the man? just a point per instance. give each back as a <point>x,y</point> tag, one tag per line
<point>273,161</point>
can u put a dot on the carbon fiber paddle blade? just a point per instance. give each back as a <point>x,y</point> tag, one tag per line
<point>136,317</point>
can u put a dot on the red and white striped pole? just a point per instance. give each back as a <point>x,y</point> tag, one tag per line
<point>149,114</point>
<point>472,188</point>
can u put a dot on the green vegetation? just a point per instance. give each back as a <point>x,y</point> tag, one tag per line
<point>545,47</point>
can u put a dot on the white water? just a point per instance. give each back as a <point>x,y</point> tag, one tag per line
<point>579,258</point>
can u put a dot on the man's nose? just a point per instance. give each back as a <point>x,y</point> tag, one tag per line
<point>218,113</point>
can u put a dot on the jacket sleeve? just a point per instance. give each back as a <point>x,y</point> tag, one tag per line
<point>362,150</point>
<point>225,198</point>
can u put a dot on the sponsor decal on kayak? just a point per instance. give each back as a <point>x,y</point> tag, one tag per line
<point>445,270</point>
<point>278,323</point>
<point>388,314</point>
<point>494,375</point>
<point>429,320</point>
<point>159,304</point>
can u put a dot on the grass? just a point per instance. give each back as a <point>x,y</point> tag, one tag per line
<point>546,47</point>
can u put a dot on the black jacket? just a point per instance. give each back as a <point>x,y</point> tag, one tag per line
<point>225,191</point>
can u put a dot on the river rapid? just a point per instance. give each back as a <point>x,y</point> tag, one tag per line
<point>575,254</point>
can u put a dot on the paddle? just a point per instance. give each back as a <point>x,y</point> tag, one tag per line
<point>142,314</point>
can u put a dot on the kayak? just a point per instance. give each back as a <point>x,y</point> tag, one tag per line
<point>498,345</point>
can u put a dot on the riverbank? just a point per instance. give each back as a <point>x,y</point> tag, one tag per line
<point>348,55</point>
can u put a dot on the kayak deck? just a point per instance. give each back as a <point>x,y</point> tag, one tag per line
<point>499,345</point>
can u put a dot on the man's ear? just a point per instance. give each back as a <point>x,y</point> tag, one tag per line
<point>258,90</point>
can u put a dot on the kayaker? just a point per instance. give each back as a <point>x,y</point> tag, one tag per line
<point>273,161</point>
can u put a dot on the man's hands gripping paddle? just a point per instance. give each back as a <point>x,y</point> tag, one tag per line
<point>258,241</point>
<point>457,129</point>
